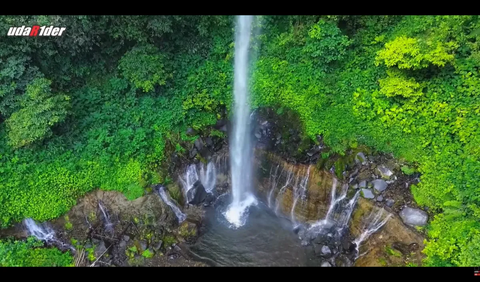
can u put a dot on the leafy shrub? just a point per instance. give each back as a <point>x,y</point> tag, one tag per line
<point>143,66</point>
<point>31,253</point>
<point>40,111</point>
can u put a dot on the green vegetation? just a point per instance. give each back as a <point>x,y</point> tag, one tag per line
<point>147,254</point>
<point>68,224</point>
<point>392,252</point>
<point>105,105</point>
<point>31,253</point>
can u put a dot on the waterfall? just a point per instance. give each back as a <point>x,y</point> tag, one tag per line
<point>273,183</point>
<point>241,152</point>
<point>372,224</point>
<point>180,215</point>
<point>288,180</point>
<point>339,211</point>
<point>106,217</point>
<point>190,177</point>
<point>207,176</point>
<point>299,191</point>
<point>43,233</point>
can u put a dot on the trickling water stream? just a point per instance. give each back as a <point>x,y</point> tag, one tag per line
<point>44,233</point>
<point>106,217</point>
<point>372,224</point>
<point>178,213</point>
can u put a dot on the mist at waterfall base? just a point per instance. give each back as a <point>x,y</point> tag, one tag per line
<point>264,240</point>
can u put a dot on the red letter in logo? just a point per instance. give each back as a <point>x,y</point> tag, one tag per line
<point>34,31</point>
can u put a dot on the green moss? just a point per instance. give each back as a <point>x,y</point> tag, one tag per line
<point>68,224</point>
<point>169,240</point>
<point>408,170</point>
<point>147,254</point>
<point>382,262</point>
<point>392,252</point>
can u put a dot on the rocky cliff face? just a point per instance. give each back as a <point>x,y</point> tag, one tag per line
<point>395,244</point>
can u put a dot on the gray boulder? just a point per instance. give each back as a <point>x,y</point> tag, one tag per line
<point>384,172</point>
<point>379,184</point>
<point>367,193</point>
<point>414,217</point>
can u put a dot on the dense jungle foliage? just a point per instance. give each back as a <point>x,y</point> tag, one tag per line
<point>100,106</point>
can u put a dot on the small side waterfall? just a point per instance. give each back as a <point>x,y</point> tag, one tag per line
<point>339,211</point>
<point>44,233</point>
<point>273,183</point>
<point>372,224</point>
<point>299,191</point>
<point>106,217</point>
<point>207,176</point>
<point>288,181</point>
<point>163,195</point>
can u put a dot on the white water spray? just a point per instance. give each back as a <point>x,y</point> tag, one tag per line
<point>180,215</point>
<point>240,147</point>
<point>42,233</point>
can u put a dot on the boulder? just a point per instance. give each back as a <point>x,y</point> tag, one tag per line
<point>191,131</point>
<point>379,184</point>
<point>197,194</point>
<point>193,153</point>
<point>209,141</point>
<point>220,123</point>
<point>199,144</point>
<point>360,158</point>
<point>326,252</point>
<point>100,249</point>
<point>384,171</point>
<point>367,193</point>
<point>390,202</point>
<point>414,217</point>
<point>326,264</point>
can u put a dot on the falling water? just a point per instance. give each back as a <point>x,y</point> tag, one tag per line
<point>373,223</point>
<point>207,177</point>
<point>339,211</point>
<point>273,183</point>
<point>190,177</point>
<point>106,217</point>
<point>180,215</point>
<point>43,233</point>
<point>240,148</point>
<point>288,181</point>
<point>299,191</point>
